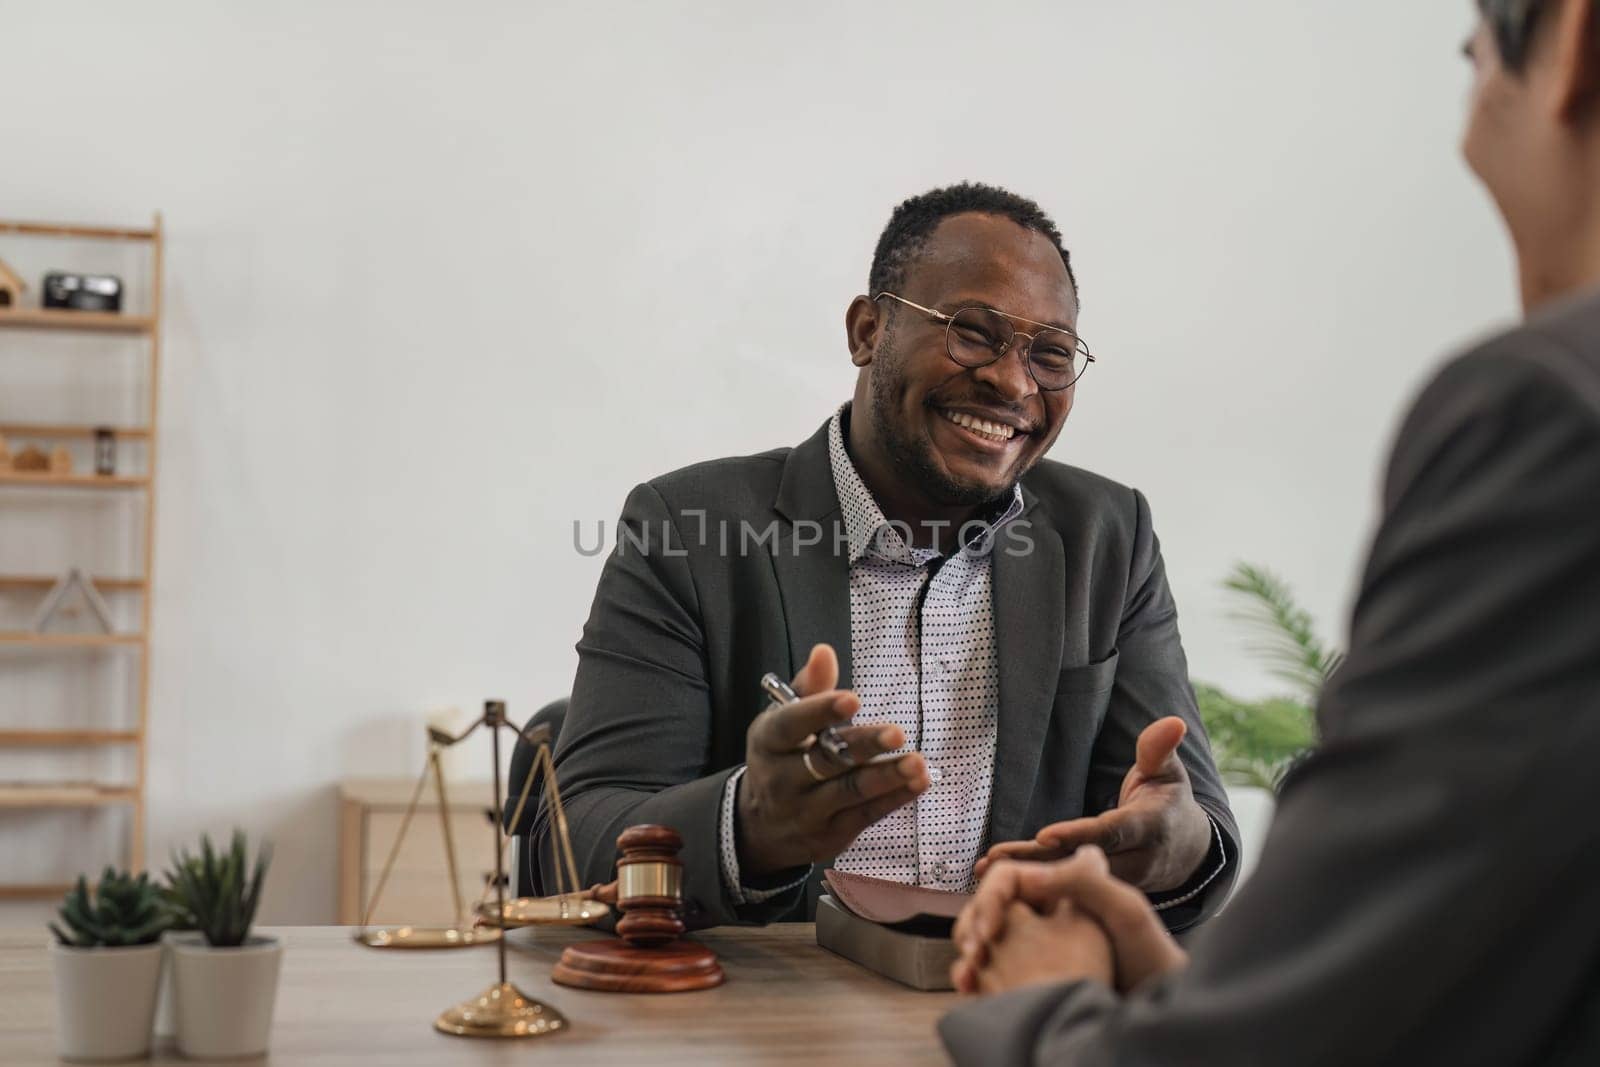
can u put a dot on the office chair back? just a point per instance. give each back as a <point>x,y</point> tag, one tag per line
<point>524,867</point>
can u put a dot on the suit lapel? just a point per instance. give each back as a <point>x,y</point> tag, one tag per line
<point>816,601</point>
<point>1029,593</point>
<point>813,579</point>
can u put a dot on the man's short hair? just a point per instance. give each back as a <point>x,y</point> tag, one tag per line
<point>1513,23</point>
<point>914,221</point>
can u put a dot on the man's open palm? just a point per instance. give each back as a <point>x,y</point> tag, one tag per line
<point>1157,835</point>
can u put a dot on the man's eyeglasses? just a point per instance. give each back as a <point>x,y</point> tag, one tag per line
<point>978,336</point>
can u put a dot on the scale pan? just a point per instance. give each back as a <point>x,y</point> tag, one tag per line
<point>547,911</point>
<point>427,937</point>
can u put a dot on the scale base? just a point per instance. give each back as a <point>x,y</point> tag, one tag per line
<point>500,1011</point>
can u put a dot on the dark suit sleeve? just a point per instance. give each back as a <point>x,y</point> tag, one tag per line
<point>636,741</point>
<point>1426,892</point>
<point>1152,682</point>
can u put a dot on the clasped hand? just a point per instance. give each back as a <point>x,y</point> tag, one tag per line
<point>1034,920</point>
<point>1071,919</point>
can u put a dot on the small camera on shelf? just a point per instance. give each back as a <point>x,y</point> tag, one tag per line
<point>82,292</point>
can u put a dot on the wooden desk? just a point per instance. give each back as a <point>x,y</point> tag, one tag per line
<point>340,1003</point>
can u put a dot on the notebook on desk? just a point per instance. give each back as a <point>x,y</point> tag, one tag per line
<point>896,930</point>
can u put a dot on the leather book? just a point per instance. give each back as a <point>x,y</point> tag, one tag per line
<point>882,901</point>
<point>899,931</point>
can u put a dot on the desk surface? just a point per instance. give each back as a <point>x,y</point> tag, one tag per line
<point>341,1003</point>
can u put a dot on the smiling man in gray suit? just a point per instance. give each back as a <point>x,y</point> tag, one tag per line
<point>995,627</point>
<point>1427,892</point>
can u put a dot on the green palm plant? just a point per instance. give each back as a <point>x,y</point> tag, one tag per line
<point>217,892</point>
<point>1288,638</point>
<point>1256,742</point>
<point>122,911</point>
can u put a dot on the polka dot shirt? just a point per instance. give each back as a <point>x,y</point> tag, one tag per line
<point>922,648</point>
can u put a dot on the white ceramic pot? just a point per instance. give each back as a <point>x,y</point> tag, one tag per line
<point>223,997</point>
<point>166,1026</point>
<point>105,1001</point>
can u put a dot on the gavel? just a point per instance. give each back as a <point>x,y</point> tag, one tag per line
<point>650,886</point>
<point>651,957</point>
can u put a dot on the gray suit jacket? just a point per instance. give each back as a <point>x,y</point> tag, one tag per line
<point>1427,891</point>
<point>682,630</point>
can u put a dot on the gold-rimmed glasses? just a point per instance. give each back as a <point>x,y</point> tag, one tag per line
<point>976,336</point>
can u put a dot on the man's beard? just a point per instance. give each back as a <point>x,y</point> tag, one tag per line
<point>913,457</point>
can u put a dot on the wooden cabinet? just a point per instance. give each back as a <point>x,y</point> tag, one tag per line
<point>418,891</point>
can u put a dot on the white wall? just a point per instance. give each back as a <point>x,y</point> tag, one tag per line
<point>443,278</point>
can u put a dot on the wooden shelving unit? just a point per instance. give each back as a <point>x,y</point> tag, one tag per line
<point>95,233</point>
<point>118,328</point>
<point>73,481</point>
<point>33,892</point>
<point>67,795</point>
<point>33,640</point>
<point>66,738</point>
<point>45,581</point>
<point>56,319</point>
<point>46,429</point>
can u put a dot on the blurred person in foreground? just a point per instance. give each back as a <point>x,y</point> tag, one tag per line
<point>1425,894</point>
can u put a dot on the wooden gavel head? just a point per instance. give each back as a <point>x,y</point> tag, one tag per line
<point>649,886</point>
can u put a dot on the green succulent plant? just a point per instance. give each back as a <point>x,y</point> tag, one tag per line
<point>122,911</point>
<point>1257,742</point>
<point>217,892</point>
<point>178,911</point>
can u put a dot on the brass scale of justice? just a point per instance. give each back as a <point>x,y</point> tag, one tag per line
<point>649,958</point>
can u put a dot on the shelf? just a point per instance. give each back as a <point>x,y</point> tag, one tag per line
<point>46,480</point>
<point>131,334</point>
<point>59,319</point>
<point>68,640</point>
<point>102,233</point>
<point>35,892</point>
<point>47,582</point>
<point>66,795</point>
<point>66,738</point>
<point>47,429</point>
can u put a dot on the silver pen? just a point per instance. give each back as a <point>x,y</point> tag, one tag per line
<point>829,739</point>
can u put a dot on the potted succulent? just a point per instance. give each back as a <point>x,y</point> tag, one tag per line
<point>107,964</point>
<point>224,980</point>
<point>179,921</point>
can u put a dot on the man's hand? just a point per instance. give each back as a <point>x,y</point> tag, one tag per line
<point>1156,837</point>
<point>786,818</point>
<point>988,927</point>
